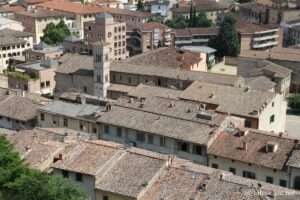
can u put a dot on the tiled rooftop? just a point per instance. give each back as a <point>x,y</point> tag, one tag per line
<point>83,64</point>
<point>15,33</point>
<point>42,13</point>
<point>178,109</point>
<point>144,91</point>
<point>275,53</point>
<point>79,111</point>
<point>188,32</point>
<point>164,57</point>
<point>86,157</point>
<point>234,100</point>
<point>261,83</point>
<point>18,107</point>
<point>10,40</point>
<point>203,5</point>
<point>230,145</point>
<point>158,124</point>
<point>71,7</point>
<point>199,183</point>
<point>131,174</point>
<point>131,13</point>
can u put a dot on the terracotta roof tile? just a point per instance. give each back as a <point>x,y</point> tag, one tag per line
<point>71,7</point>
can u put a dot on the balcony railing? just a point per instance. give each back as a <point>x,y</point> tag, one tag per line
<point>265,37</point>
<point>267,44</point>
<point>183,42</point>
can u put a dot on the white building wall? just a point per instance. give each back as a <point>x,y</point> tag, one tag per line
<point>277,108</point>
<point>130,136</point>
<point>260,172</point>
<point>88,182</point>
<point>5,123</point>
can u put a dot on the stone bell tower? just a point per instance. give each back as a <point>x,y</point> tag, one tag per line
<point>101,68</point>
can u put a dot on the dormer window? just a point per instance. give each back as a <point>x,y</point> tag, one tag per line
<point>271,147</point>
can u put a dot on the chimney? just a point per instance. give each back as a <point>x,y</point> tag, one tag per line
<point>141,103</point>
<point>245,145</point>
<point>222,176</point>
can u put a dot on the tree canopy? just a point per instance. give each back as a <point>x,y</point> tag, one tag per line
<point>140,6</point>
<point>200,21</point>
<point>54,34</point>
<point>151,19</point>
<point>227,41</point>
<point>294,101</point>
<point>178,23</point>
<point>17,181</point>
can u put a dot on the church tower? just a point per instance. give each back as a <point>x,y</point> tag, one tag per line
<point>101,68</point>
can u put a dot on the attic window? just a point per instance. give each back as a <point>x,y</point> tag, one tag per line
<point>271,147</point>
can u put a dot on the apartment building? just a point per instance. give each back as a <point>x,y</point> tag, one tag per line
<point>109,3</point>
<point>265,75</point>
<point>253,154</point>
<point>9,11</point>
<point>148,175</point>
<point>39,147</point>
<point>35,20</point>
<point>152,127</point>
<point>210,8</point>
<point>261,110</point>
<point>129,16</point>
<point>145,37</point>
<point>76,14</point>
<point>254,12</point>
<point>259,37</point>
<point>288,58</point>
<point>35,77</point>
<point>193,36</point>
<point>17,112</point>
<point>76,71</point>
<point>103,28</point>
<point>294,35</point>
<point>160,8</point>
<point>12,45</point>
<point>42,51</point>
<point>6,23</point>
<point>79,117</point>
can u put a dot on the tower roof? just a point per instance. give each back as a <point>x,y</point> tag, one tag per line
<point>103,15</point>
<point>101,43</point>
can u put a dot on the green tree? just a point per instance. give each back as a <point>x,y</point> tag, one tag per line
<point>151,19</point>
<point>140,6</point>
<point>54,34</point>
<point>38,186</point>
<point>17,181</point>
<point>227,41</point>
<point>11,166</point>
<point>191,15</point>
<point>169,23</point>
<point>294,101</point>
<point>178,23</point>
<point>202,20</point>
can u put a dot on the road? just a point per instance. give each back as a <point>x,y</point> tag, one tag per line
<point>292,125</point>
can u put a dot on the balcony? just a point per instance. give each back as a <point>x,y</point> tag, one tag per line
<point>267,44</point>
<point>167,36</point>
<point>265,37</point>
<point>201,40</point>
<point>167,43</point>
<point>183,42</point>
